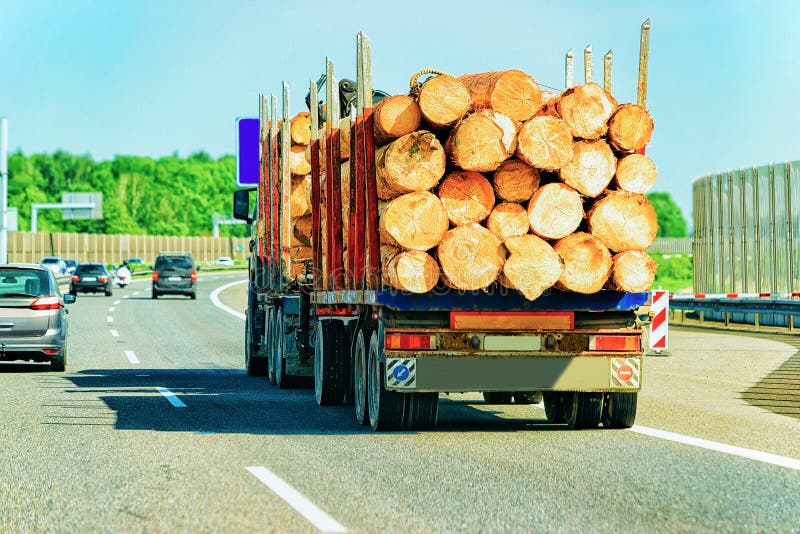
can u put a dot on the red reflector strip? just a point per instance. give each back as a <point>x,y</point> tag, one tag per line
<point>50,352</point>
<point>410,342</point>
<point>764,295</point>
<point>627,343</point>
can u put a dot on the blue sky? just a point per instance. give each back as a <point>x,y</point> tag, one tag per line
<point>153,77</point>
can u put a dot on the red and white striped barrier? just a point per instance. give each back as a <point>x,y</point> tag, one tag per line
<point>660,326</point>
<point>794,294</point>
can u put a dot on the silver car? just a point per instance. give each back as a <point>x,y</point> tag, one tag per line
<point>33,319</point>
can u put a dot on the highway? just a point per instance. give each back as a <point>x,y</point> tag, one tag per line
<point>156,427</point>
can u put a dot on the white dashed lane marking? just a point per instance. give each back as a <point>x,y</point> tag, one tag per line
<point>131,356</point>
<point>171,397</point>
<point>114,333</point>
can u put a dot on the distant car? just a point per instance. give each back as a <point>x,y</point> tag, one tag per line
<point>224,260</point>
<point>174,273</point>
<point>134,261</point>
<point>91,278</point>
<point>71,265</point>
<point>56,264</point>
<point>33,320</point>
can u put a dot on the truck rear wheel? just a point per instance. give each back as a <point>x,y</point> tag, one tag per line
<point>554,406</point>
<point>619,410</point>
<point>330,366</point>
<point>497,397</point>
<point>360,378</point>
<point>583,410</point>
<point>281,378</point>
<point>254,365</point>
<point>386,408</point>
<point>422,409</point>
<point>269,328</point>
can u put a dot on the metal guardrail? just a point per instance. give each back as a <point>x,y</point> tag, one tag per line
<point>727,307</point>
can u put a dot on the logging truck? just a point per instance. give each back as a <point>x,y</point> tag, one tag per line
<point>394,262</point>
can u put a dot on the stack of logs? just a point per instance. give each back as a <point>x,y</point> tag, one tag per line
<point>485,179</point>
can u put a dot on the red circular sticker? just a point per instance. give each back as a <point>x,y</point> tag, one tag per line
<point>625,372</point>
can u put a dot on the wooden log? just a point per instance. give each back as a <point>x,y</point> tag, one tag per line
<point>300,198</point>
<point>301,231</point>
<point>555,211</point>
<point>630,128</point>
<point>513,93</point>
<point>443,100</point>
<point>467,197</point>
<point>413,270</point>
<point>532,266</point>
<point>482,141</point>
<point>344,143</point>
<point>545,142</point>
<point>587,263</point>
<point>471,257</point>
<point>300,128</point>
<point>515,180</point>
<point>636,173</point>
<point>414,221</point>
<point>632,271</point>
<point>586,110</point>
<point>508,219</point>
<point>387,252</point>
<point>591,169</point>
<point>415,162</point>
<point>623,221</point>
<point>395,117</point>
<point>297,265</point>
<point>298,164</point>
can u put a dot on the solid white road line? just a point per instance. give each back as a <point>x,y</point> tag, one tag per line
<point>109,319</point>
<point>114,333</point>
<point>215,299</point>
<point>774,459</point>
<point>307,509</point>
<point>111,309</point>
<point>171,397</point>
<point>131,356</point>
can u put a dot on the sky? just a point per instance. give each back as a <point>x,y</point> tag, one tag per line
<point>152,77</point>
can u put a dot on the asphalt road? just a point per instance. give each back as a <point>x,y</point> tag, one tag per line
<point>103,447</point>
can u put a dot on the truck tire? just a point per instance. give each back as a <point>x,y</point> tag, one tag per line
<point>330,369</point>
<point>271,340</point>
<point>281,378</point>
<point>554,406</point>
<point>386,408</point>
<point>497,397</point>
<point>254,365</point>
<point>360,377</point>
<point>422,409</point>
<point>583,410</point>
<point>619,410</point>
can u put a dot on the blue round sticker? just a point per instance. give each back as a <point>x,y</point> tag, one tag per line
<point>400,372</point>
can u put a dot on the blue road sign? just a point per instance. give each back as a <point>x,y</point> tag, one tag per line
<point>247,151</point>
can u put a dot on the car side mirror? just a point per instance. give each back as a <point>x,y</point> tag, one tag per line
<point>70,299</point>
<point>241,205</point>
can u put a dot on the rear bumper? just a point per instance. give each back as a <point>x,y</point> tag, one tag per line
<point>90,287</point>
<point>30,351</point>
<point>180,288</point>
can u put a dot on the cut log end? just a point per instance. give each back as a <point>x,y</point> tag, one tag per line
<point>482,141</point>
<point>630,128</point>
<point>414,162</point>
<point>414,221</point>
<point>508,220</point>
<point>515,181</point>
<point>555,210</point>
<point>512,93</point>
<point>586,110</point>
<point>533,266</point>
<point>471,257</point>
<point>587,263</point>
<point>467,197</point>
<point>624,221</point>
<point>632,271</point>
<point>443,100</point>
<point>413,271</point>
<point>591,169</point>
<point>636,173</point>
<point>545,142</point>
<point>395,117</point>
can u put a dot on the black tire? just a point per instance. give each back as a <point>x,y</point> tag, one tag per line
<point>330,369</point>
<point>255,366</point>
<point>154,295</point>
<point>281,378</point>
<point>109,292</point>
<point>619,410</point>
<point>422,409</point>
<point>554,407</point>
<point>497,397</point>
<point>269,328</point>
<point>386,408</point>
<point>360,385</point>
<point>193,295</point>
<point>73,292</point>
<point>583,410</point>
<point>59,363</point>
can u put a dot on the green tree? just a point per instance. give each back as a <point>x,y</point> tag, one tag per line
<point>671,222</point>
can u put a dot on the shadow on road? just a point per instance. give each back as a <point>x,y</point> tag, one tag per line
<point>229,401</point>
<point>779,391</point>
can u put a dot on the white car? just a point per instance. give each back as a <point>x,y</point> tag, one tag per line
<point>56,265</point>
<point>224,260</point>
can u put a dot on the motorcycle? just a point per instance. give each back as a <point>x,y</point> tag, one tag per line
<point>122,277</point>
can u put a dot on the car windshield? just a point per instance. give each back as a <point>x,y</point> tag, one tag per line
<point>90,269</point>
<point>177,262</point>
<point>19,282</point>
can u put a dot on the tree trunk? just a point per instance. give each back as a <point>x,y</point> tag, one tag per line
<point>415,162</point>
<point>300,128</point>
<point>387,252</point>
<point>632,271</point>
<point>515,181</point>
<point>555,211</point>
<point>443,100</point>
<point>298,163</point>
<point>512,93</point>
<point>344,143</point>
<point>301,230</point>
<point>630,128</point>
<point>413,270</point>
<point>545,143</point>
<point>508,219</point>
<point>586,110</point>
<point>533,265</point>
<point>587,263</point>
<point>591,169</point>
<point>636,173</point>
<point>467,197</point>
<point>623,221</point>
<point>300,199</point>
<point>414,221</point>
<point>395,117</point>
<point>471,257</point>
<point>482,141</point>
